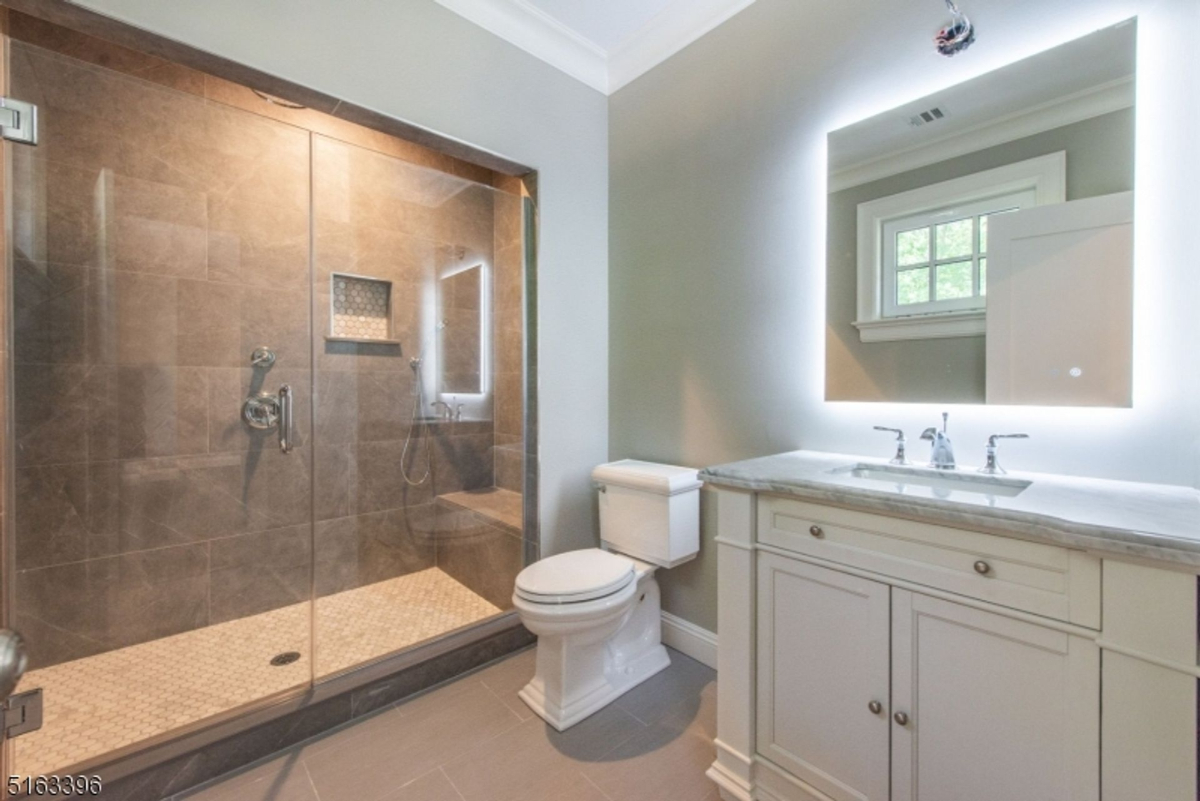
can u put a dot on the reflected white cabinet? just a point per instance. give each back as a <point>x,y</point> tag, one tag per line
<point>864,687</point>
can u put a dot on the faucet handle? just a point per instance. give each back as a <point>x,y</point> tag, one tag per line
<point>992,466</point>
<point>992,439</point>
<point>901,457</point>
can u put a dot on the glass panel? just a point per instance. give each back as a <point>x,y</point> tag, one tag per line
<point>912,247</point>
<point>163,547</point>
<point>954,280</point>
<point>983,276</point>
<point>954,239</point>
<point>912,286</point>
<point>418,443</point>
<point>159,537</point>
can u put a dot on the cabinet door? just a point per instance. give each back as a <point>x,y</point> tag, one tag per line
<point>822,660</point>
<point>998,709</point>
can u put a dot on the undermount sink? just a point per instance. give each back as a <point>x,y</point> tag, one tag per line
<point>900,476</point>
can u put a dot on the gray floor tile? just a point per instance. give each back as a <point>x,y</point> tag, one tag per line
<point>433,699</point>
<point>433,786</point>
<point>661,762</point>
<point>702,716</point>
<point>474,740</point>
<point>532,759</point>
<point>662,695</point>
<point>506,678</point>
<point>282,779</point>
<point>403,747</point>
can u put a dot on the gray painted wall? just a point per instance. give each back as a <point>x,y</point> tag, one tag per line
<point>717,243</point>
<point>415,60</point>
<point>1099,162</point>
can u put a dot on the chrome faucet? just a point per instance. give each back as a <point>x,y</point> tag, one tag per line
<point>942,456</point>
<point>901,456</point>
<point>446,412</point>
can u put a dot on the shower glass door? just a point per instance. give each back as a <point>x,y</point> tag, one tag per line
<point>182,249</point>
<point>163,547</point>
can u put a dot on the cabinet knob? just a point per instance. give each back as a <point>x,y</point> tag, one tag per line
<point>982,568</point>
<point>875,707</point>
<point>816,531</point>
<point>900,718</point>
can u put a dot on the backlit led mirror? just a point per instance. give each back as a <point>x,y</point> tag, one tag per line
<point>460,332</point>
<point>980,239</point>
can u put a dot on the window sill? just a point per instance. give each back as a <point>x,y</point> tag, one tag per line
<point>929,326</point>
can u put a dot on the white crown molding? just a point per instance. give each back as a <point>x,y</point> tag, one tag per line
<point>538,34</point>
<point>676,27</point>
<point>1085,105</point>
<point>542,36</point>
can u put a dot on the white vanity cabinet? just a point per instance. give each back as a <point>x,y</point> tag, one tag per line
<point>822,673</point>
<point>866,657</point>
<point>862,686</point>
<point>996,708</point>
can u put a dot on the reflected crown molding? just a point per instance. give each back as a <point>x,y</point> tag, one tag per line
<point>1094,102</point>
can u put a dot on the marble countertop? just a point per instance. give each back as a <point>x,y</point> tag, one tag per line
<point>1152,521</point>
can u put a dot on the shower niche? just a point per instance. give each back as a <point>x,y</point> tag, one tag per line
<point>360,309</point>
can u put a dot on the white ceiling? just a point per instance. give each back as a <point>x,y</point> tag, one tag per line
<point>604,43</point>
<point>605,23</point>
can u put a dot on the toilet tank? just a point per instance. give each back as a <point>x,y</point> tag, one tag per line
<point>649,511</point>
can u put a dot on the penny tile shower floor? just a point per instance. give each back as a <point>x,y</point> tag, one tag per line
<point>104,702</point>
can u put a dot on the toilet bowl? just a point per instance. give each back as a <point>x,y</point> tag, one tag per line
<point>592,647</point>
<point>596,612</point>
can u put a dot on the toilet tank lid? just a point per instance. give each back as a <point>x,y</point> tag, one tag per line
<point>664,479</point>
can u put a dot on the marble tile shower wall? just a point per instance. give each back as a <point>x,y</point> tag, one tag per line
<point>508,336</point>
<point>153,250</point>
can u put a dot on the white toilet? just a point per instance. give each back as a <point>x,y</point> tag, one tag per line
<point>596,612</point>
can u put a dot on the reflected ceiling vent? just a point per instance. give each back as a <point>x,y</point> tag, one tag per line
<point>925,117</point>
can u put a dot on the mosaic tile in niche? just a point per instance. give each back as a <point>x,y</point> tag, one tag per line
<point>361,308</point>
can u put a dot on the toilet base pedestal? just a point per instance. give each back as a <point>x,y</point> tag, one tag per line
<point>600,696</point>
<point>579,674</point>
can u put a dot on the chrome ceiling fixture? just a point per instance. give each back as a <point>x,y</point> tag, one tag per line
<point>956,36</point>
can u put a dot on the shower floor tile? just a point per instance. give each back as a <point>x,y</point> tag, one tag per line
<point>115,699</point>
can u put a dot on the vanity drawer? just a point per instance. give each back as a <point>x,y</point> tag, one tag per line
<point>1046,580</point>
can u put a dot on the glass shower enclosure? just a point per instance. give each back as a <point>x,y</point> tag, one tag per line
<point>267,386</point>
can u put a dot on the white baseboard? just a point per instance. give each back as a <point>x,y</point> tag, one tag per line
<point>688,638</point>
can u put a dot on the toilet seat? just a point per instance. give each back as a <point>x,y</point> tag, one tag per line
<point>575,577</point>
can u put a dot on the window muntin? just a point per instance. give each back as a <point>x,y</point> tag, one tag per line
<point>935,262</point>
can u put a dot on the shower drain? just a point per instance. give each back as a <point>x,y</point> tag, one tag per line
<point>279,660</point>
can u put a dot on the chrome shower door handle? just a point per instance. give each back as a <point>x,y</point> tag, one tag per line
<point>285,418</point>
